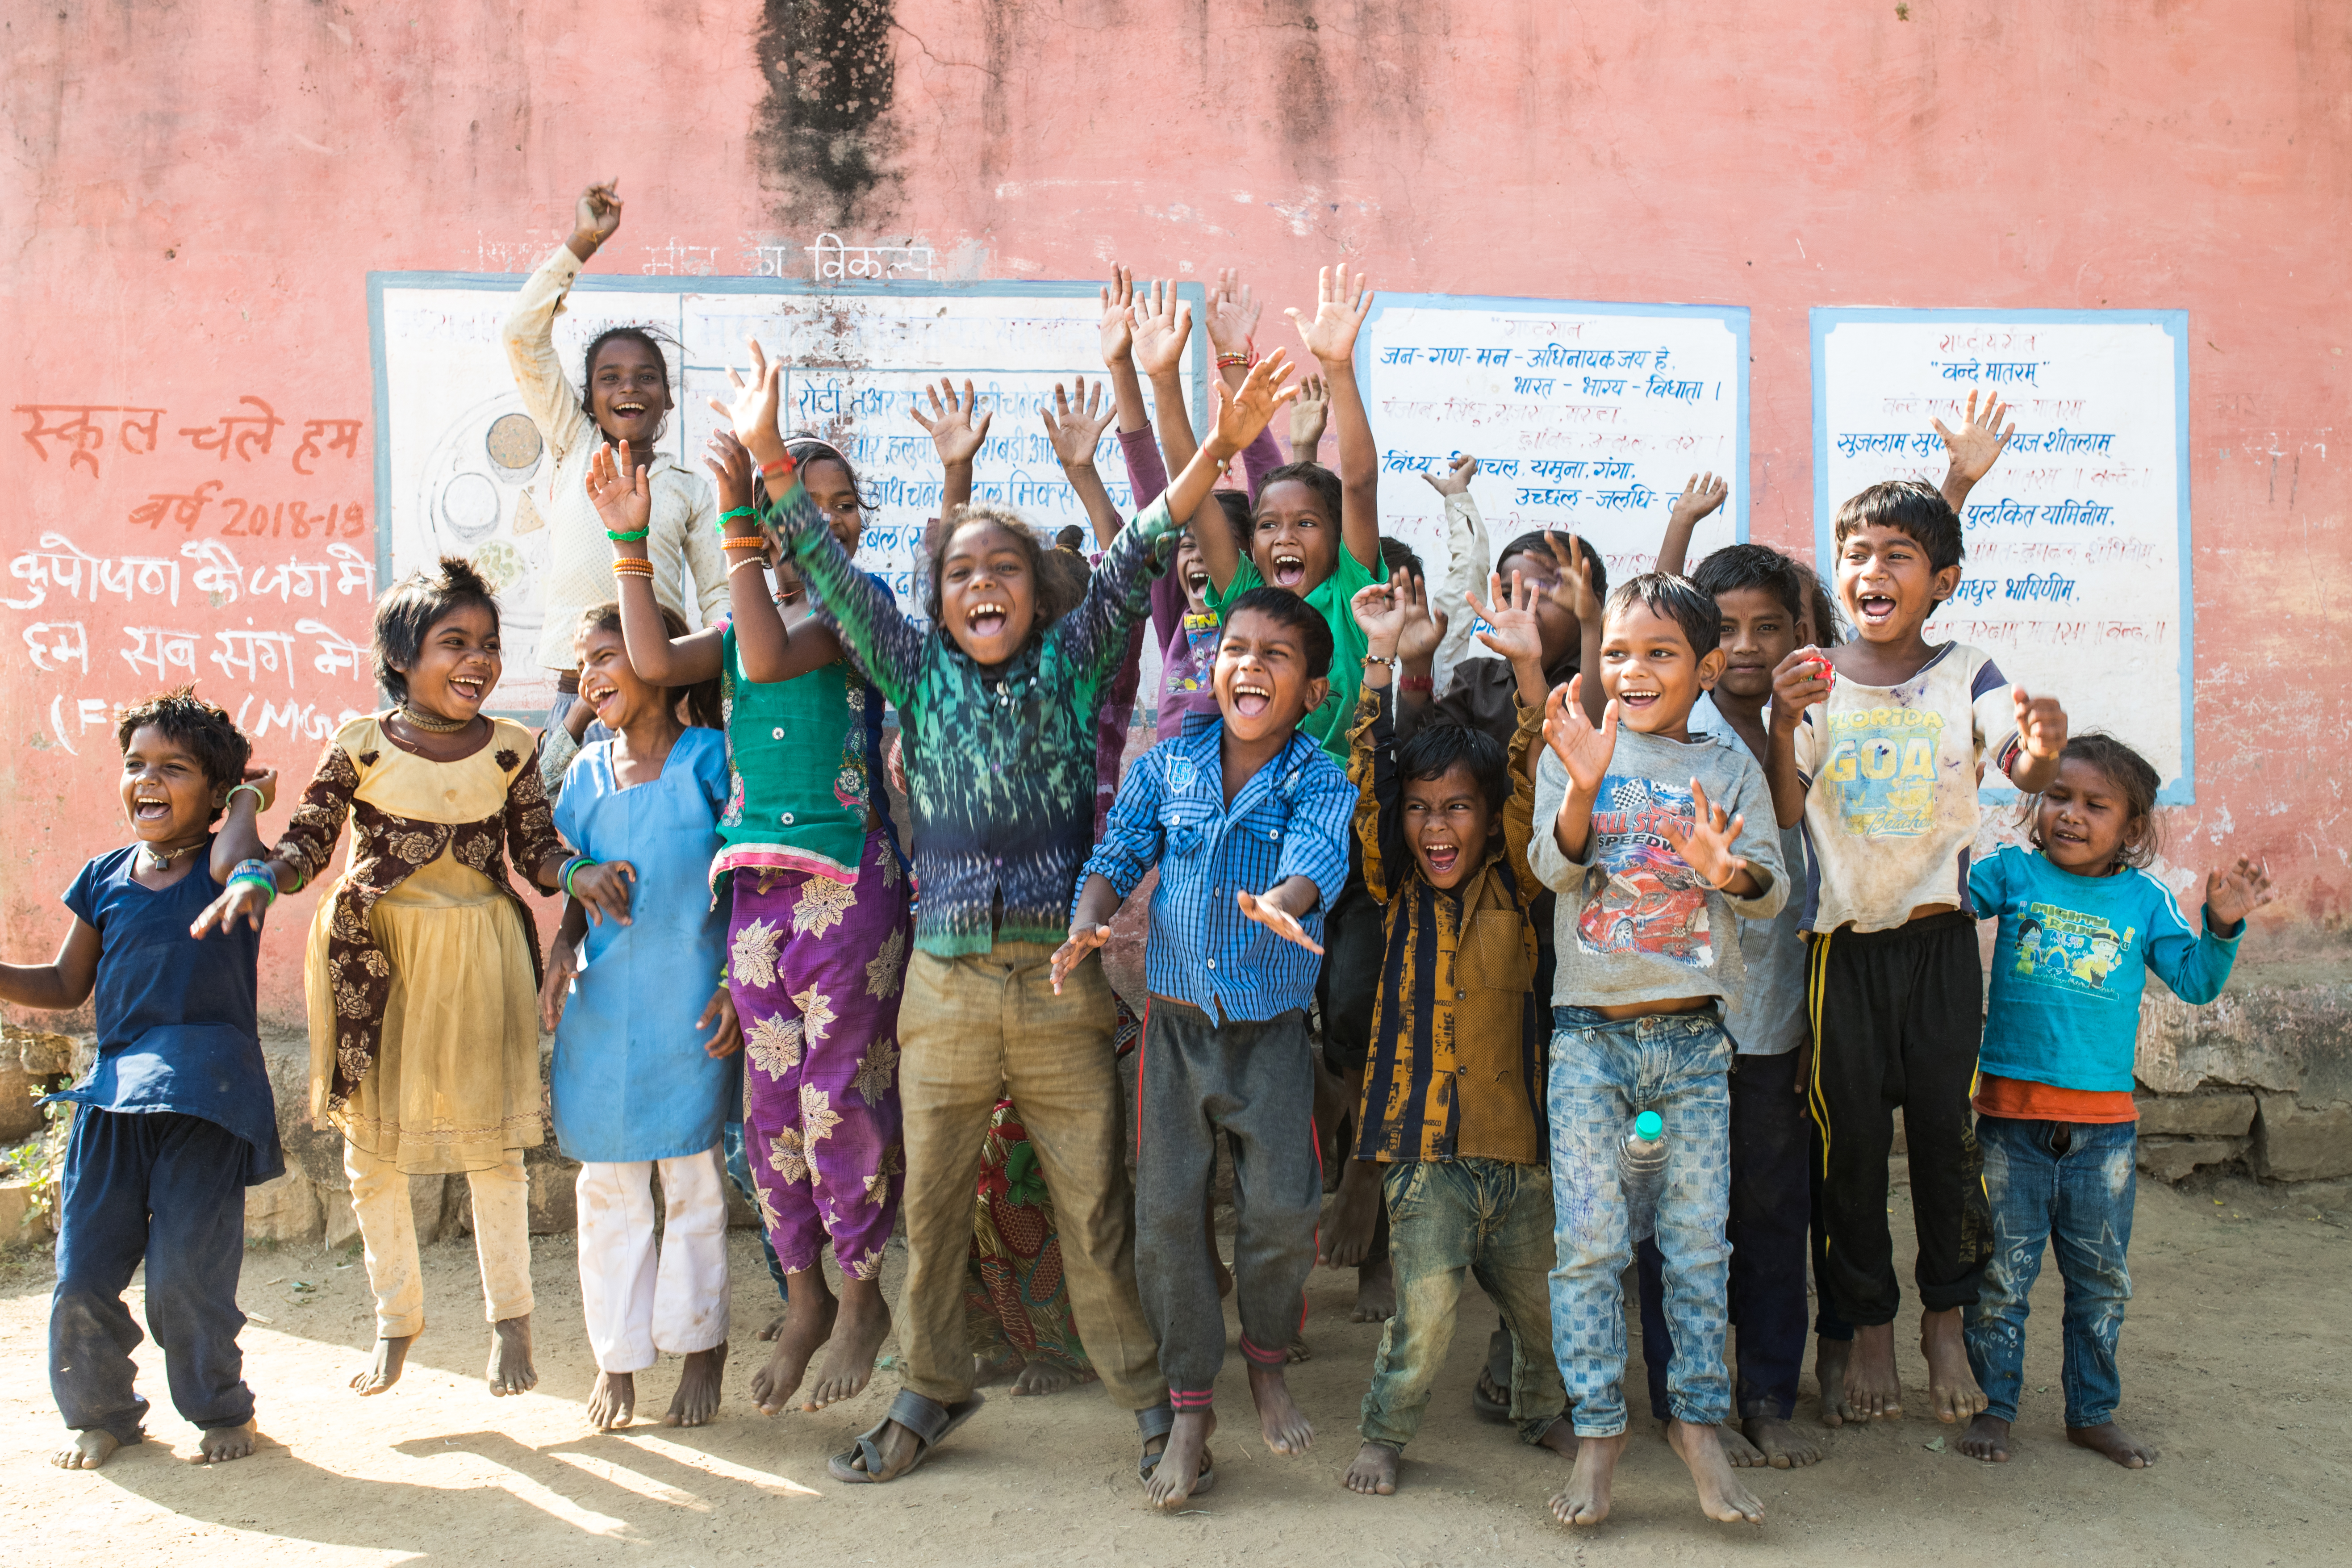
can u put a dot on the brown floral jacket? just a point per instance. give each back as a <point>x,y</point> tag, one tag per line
<point>386,851</point>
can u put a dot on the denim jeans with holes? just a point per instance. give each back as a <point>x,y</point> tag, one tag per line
<point>2067,1184</point>
<point>1605,1072</point>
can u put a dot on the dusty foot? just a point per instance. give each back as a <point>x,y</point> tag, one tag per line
<point>1561,1438</point>
<point>1347,1239</point>
<point>697,1399</point>
<point>1987,1438</point>
<point>612,1403</point>
<point>219,1444</point>
<point>988,1371</point>
<point>1298,1350</point>
<point>1720,1495</point>
<point>1783,1447</point>
<point>1043,1377</point>
<point>1375,1293</point>
<point>1585,1499</point>
<point>510,1371</point>
<point>1181,1460</point>
<point>1873,1390</point>
<point>858,1330</point>
<point>897,1448</point>
<point>1831,1358</point>
<point>1374,1473</point>
<point>88,1451</point>
<point>1952,1390</point>
<point>775,1326</point>
<point>1284,1426</point>
<point>391,1356</point>
<point>808,1323</point>
<point>2114,1442</point>
<point>1741,1454</point>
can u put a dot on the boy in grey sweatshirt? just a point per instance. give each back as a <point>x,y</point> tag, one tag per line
<point>1654,840</point>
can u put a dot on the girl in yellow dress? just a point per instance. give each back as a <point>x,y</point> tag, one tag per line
<point>423,966</point>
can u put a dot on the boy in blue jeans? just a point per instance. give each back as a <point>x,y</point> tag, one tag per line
<point>1657,843</point>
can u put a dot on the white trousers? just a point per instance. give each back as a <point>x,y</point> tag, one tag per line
<point>638,1307</point>
<point>501,1196</point>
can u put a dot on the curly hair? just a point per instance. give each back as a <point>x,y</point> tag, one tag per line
<point>204,728</point>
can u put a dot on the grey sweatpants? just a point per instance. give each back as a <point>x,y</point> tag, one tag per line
<point>1256,1083</point>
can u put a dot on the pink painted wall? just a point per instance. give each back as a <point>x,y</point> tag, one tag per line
<point>194,196</point>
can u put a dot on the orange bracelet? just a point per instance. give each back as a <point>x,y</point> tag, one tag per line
<point>743,542</point>
<point>632,566</point>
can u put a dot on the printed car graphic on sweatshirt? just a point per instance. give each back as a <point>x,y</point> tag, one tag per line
<point>1641,895</point>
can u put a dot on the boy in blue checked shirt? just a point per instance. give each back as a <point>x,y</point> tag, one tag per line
<point>1247,820</point>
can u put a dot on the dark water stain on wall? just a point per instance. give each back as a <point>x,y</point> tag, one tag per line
<point>822,135</point>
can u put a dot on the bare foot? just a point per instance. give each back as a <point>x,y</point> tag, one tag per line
<point>391,1356</point>
<point>1375,1293</point>
<point>1738,1450</point>
<point>1043,1377</point>
<point>775,1326</point>
<point>1585,1499</point>
<point>858,1330</point>
<point>1952,1390</point>
<point>2113,1441</point>
<point>1347,1239</point>
<point>897,1448</point>
<point>1560,1438</point>
<point>808,1323</point>
<point>1284,1426</point>
<point>1298,1350</point>
<point>1783,1447</point>
<point>1987,1438</point>
<point>510,1371</point>
<point>1873,1390</point>
<point>988,1371</point>
<point>697,1399</point>
<point>219,1444</point>
<point>1374,1473</point>
<point>1829,1359</point>
<point>1720,1495</point>
<point>612,1403</point>
<point>1181,1460</point>
<point>88,1450</point>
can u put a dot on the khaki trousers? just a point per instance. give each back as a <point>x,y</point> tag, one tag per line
<point>985,1027</point>
<point>501,1197</point>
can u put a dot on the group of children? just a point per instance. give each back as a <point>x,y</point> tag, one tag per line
<point>1621,951</point>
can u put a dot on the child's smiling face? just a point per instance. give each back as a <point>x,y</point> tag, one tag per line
<point>988,591</point>
<point>1192,572</point>
<point>459,667</point>
<point>628,394</point>
<point>165,793</point>
<point>2083,820</point>
<point>1887,584</point>
<point>831,493</point>
<point>1261,678</point>
<point>1448,826</point>
<point>1295,543</point>
<point>608,684</point>
<point>1758,634</point>
<point>1647,666</point>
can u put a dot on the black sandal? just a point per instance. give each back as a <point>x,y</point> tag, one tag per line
<point>927,1420</point>
<point>1157,1422</point>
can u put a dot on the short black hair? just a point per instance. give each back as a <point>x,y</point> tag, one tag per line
<point>1236,505</point>
<point>1398,556</point>
<point>207,732</point>
<point>1434,748</point>
<point>702,704</point>
<point>1315,477</point>
<point>1286,608</point>
<point>804,448</point>
<point>588,372</point>
<point>1532,543</point>
<point>1797,586</point>
<point>1070,538</point>
<point>1909,506</point>
<point>1057,595</point>
<point>2135,778</point>
<point>405,617</point>
<point>1676,598</point>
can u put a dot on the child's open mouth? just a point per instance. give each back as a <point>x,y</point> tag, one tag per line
<point>1289,571</point>
<point>986,619</point>
<point>1196,582</point>
<point>1442,857</point>
<point>594,693</point>
<point>1252,698</point>
<point>468,688</point>
<point>1635,701</point>
<point>631,410</point>
<point>149,808</point>
<point>1875,607</point>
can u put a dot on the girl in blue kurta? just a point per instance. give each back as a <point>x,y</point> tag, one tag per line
<point>645,1036</point>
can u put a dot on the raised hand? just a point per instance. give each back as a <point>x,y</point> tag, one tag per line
<point>596,215</point>
<point>2233,893</point>
<point>1340,308</point>
<point>604,891</point>
<point>1424,625</point>
<point>752,410</point>
<point>1073,426</point>
<point>1307,417</point>
<point>1245,410</point>
<point>238,902</point>
<point>1460,469</point>
<point>562,964</point>
<point>1979,441</point>
<point>265,781</point>
<point>1118,302</point>
<point>1276,919</point>
<point>730,465</point>
<point>1233,312</point>
<point>1163,323</point>
<point>1380,610</point>
<point>956,428</point>
<point>1572,586</point>
<point>1082,940</point>
<point>1510,619</point>
<point>1799,681</point>
<point>1700,496</point>
<point>622,495</point>
<point>1581,749</point>
<point>1705,846</point>
<point>2041,724</point>
<point>726,1028</point>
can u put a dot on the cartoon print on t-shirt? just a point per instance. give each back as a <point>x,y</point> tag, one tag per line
<point>1650,900</point>
<point>2067,950</point>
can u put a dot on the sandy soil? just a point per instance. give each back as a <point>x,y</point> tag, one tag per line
<point>2236,1365</point>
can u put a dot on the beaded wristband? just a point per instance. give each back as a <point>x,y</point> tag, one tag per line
<point>636,538</point>
<point>743,542</point>
<point>633,567</point>
<point>257,873</point>
<point>1384,659</point>
<point>572,868</point>
<point>230,799</point>
<point>1232,361</point>
<point>747,560</point>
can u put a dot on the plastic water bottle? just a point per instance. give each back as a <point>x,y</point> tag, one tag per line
<point>1642,1172</point>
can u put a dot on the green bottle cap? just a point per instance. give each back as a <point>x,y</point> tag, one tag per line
<point>1649,1127</point>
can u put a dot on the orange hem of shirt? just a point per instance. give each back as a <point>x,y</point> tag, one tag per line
<point>2021,1099</point>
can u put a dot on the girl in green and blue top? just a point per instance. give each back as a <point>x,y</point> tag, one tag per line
<point>817,896</point>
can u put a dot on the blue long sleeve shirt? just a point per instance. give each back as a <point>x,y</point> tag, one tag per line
<point>1291,819</point>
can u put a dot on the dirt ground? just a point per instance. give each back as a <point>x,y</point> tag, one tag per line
<point>2236,1364</point>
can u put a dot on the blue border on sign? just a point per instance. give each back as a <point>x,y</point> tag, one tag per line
<point>1196,294</point>
<point>2181,791</point>
<point>1734,317</point>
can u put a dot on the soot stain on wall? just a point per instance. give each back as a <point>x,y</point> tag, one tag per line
<point>821,135</point>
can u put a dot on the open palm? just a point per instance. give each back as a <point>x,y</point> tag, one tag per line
<point>1583,749</point>
<point>1340,307</point>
